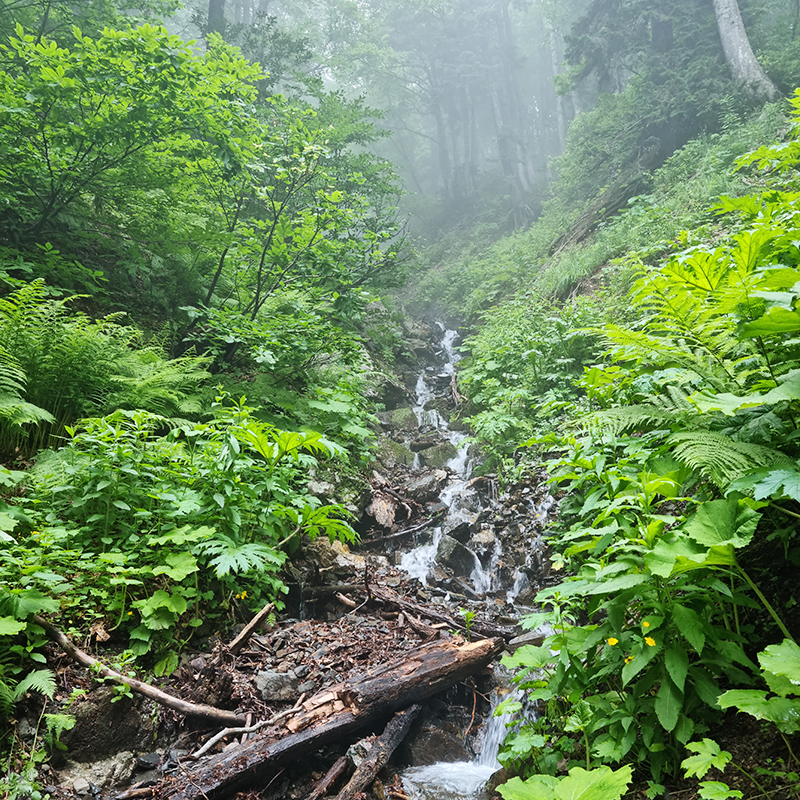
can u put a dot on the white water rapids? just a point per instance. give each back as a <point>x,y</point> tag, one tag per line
<point>461,780</point>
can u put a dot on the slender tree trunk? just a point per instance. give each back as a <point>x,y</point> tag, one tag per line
<point>216,16</point>
<point>747,72</point>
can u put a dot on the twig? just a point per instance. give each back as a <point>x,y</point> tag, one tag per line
<point>252,729</point>
<point>474,703</point>
<point>239,642</point>
<point>345,600</point>
<point>170,701</point>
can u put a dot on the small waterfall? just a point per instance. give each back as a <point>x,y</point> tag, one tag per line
<point>462,780</point>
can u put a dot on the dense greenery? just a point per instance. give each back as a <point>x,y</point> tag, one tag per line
<point>166,216</point>
<point>192,241</point>
<point>674,416</point>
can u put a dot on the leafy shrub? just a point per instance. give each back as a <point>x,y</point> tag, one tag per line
<point>155,530</point>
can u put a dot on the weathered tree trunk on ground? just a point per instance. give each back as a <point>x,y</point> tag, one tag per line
<point>332,715</point>
<point>747,72</point>
<point>380,753</point>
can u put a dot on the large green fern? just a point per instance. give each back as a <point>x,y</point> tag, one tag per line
<point>719,457</point>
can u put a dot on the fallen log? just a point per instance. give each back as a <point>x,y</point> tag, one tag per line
<point>208,713</point>
<point>380,752</point>
<point>333,714</point>
<point>477,628</point>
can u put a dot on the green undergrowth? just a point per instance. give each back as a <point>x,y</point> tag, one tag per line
<point>669,415</point>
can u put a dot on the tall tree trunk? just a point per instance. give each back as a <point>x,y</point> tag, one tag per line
<point>739,54</point>
<point>216,16</point>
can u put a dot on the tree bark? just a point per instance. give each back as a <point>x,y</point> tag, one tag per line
<point>216,16</point>
<point>747,72</point>
<point>332,714</point>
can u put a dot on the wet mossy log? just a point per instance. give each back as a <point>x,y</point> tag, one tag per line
<point>331,715</point>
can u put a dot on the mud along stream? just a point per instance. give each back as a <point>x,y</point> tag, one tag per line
<point>444,558</point>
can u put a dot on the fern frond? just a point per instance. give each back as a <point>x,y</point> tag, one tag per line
<point>630,418</point>
<point>40,680</point>
<point>721,458</point>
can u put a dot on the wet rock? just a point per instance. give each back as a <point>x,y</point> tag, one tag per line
<point>277,686</point>
<point>401,419</point>
<point>435,743</point>
<point>458,527</point>
<point>103,728</point>
<point>424,442</point>
<point>103,774</point>
<point>439,455</point>
<point>534,638</point>
<point>428,487</point>
<point>392,454</point>
<point>483,542</point>
<point>453,554</point>
<point>148,761</point>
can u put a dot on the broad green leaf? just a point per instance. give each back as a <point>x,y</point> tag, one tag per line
<point>529,656</point>
<point>716,790</point>
<point>10,626</point>
<point>783,711</point>
<point>678,554</point>
<point>615,584</point>
<point>708,755</point>
<point>776,320</point>
<point>729,404</point>
<point>677,663</point>
<point>782,659</point>
<point>643,655</point>
<point>537,787</point>
<point>27,602</point>
<point>723,522</point>
<point>690,626</point>
<point>178,566</point>
<point>669,702</point>
<point>601,783</point>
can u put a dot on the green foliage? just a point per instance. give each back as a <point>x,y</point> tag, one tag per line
<point>601,783</point>
<point>67,366</point>
<point>658,611</point>
<point>155,530</point>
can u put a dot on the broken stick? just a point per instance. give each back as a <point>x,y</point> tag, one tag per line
<point>324,783</point>
<point>208,713</point>
<point>380,752</point>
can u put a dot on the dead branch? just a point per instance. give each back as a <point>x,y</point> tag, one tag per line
<point>209,713</point>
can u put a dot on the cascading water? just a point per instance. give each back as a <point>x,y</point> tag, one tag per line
<point>490,578</point>
<point>461,780</point>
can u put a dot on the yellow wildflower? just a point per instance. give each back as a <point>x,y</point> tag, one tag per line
<point>628,659</point>
<point>646,624</point>
<point>130,613</point>
<point>650,640</point>
<point>612,641</point>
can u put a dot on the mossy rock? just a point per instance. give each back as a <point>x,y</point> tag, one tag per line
<point>392,454</point>
<point>438,456</point>
<point>401,419</point>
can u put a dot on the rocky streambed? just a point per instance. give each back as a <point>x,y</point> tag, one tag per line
<point>443,555</point>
